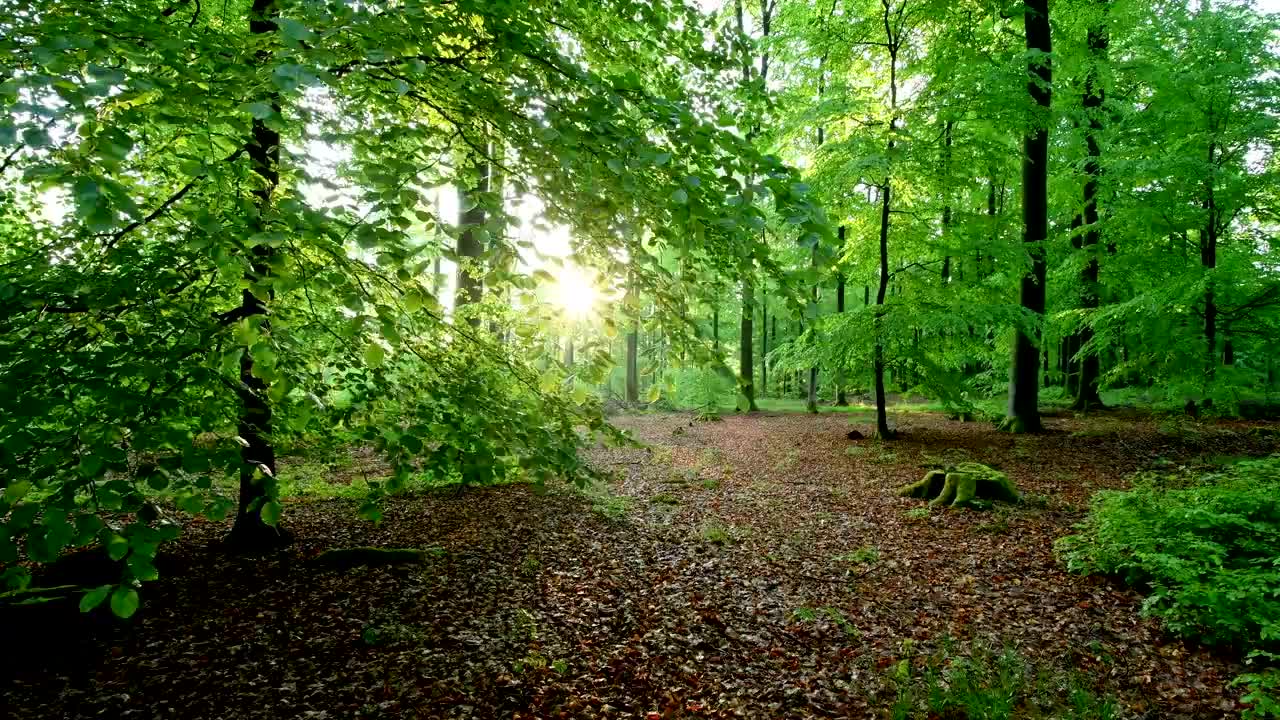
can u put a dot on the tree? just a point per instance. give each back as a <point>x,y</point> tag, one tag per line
<point>1024,374</point>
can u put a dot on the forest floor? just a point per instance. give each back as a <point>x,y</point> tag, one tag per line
<point>756,567</point>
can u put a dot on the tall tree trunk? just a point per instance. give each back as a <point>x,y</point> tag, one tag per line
<point>764,343</point>
<point>1024,375</point>
<point>257,454</point>
<point>1087,396</point>
<point>470,285</point>
<point>633,370</point>
<point>946,202</point>
<point>892,40</point>
<point>841,399</point>
<point>745,354</point>
<point>1209,260</point>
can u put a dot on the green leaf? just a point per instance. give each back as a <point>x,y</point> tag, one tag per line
<point>16,491</point>
<point>117,547</point>
<point>655,392</point>
<point>260,110</point>
<point>94,598</point>
<point>271,512</point>
<point>374,355</point>
<point>680,197</point>
<point>744,403</point>
<point>124,602</point>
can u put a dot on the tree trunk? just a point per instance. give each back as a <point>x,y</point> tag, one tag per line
<point>1209,260</point>
<point>764,343</point>
<point>633,370</point>
<point>946,203</point>
<point>1024,375</point>
<point>257,454</point>
<point>886,192</point>
<point>470,286</point>
<point>1087,396</point>
<point>841,400</point>
<point>745,354</point>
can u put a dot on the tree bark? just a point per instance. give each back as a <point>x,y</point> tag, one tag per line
<point>1209,260</point>
<point>764,343</point>
<point>841,399</point>
<point>470,285</point>
<point>1087,396</point>
<point>633,374</point>
<point>1024,375</point>
<point>257,454</point>
<point>892,40</point>
<point>745,354</point>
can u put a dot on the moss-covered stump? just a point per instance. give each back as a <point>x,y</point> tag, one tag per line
<point>963,485</point>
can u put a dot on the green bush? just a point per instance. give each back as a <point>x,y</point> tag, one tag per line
<point>1206,548</point>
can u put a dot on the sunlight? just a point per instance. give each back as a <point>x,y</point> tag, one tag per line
<point>576,292</point>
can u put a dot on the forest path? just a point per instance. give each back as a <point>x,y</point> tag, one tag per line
<point>756,567</point>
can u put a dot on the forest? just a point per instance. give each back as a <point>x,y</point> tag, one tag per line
<point>904,359</point>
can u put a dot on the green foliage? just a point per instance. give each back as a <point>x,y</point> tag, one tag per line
<point>972,681</point>
<point>704,390</point>
<point>1203,546</point>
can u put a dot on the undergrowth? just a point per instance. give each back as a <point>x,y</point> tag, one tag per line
<point>972,681</point>
<point>1204,549</point>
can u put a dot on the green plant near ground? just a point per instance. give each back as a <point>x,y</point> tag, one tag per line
<point>605,502</point>
<point>1262,687</point>
<point>1203,547</point>
<point>715,532</point>
<point>838,618</point>
<point>918,513</point>
<point>664,499</point>
<point>865,555</point>
<point>972,681</point>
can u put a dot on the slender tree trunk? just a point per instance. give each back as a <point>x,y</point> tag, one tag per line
<point>1209,260</point>
<point>470,248</point>
<point>886,192</point>
<point>745,354</point>
<point>633,370</point>
<point>1087,396</point>
<point>1024,375</point>
<point>946,203</point>
<point>764,343</point>
<point>257,454</point>
<point>715,328</point>
<point>841,400</point>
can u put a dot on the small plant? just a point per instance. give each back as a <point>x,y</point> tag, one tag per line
<point>865,555</point>
<point>605,502</point>
<point>1262,688</point>
<point>974,682</point>
<point>664,499</point>
<point>715,533</point>
<point>918,513</point>
<point>710,484</point>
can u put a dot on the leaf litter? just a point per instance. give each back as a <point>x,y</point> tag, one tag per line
<point>760,567</point>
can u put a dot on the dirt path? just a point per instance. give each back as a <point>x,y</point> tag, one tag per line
<point>757,567</point>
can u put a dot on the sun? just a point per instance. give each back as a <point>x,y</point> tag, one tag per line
<point>576,292</point>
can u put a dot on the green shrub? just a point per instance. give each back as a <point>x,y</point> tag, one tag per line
<point>1203,547</point>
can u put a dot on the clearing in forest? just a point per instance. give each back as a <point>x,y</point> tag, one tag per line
<point>757,567</point>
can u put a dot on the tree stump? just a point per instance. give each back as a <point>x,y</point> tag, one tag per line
<point>963,485</point>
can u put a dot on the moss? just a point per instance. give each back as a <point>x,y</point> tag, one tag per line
<point>965,484</point>
<point>348,558</point>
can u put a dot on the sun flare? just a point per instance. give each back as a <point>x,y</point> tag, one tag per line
<point>576,292</point>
